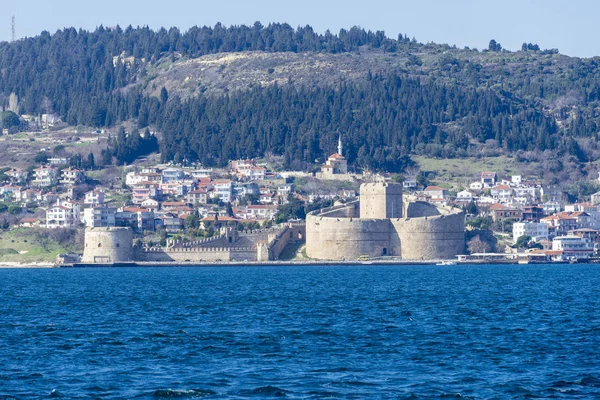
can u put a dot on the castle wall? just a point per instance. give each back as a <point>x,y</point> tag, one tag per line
<point>108,245</point>
<point>380,200</point>
<point>291,234</point>
<point>329,238</point>
<point>426,232</point>
<point>185,254</point>
<point>431,238</point>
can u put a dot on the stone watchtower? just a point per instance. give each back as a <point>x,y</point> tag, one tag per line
<point>380,200</point>
<point>108,245</point>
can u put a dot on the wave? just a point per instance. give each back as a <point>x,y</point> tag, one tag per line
<point>182,394</point>
<point>264,391</point>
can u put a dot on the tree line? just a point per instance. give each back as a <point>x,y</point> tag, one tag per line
<point>89,79</point>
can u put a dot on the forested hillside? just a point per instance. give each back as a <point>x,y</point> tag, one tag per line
<point>221,93</point>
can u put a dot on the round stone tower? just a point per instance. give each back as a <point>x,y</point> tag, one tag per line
<point>108,245</point>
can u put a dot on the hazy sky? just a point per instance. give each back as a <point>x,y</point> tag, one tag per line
<point>569,26</point>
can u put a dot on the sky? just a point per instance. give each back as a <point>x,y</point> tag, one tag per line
<point>566,25</point>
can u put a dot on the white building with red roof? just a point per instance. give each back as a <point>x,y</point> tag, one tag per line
<point>64,214</point>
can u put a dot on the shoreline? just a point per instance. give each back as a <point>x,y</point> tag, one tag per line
<point>292,263</point>
<point>18,264</point>
<point>225,264</point>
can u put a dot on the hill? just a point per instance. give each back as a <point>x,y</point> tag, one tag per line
<point>220,93</point>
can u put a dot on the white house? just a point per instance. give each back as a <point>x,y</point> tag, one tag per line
<point>436,192</point>
<point>65,214</point>
<point>502,193</point>
<point>72,176</point>
<point>476,186</point>
<point>94,197</point>
<point>132,179</point>
<point>223,190</point>
<point>255,173</point>
<point>536,230</point>
<point>151,204</point>
<point>45,176</point>
<point>99,216</point>
<point>261,211</point>
<point>465,196</point>
<point>488,179</point>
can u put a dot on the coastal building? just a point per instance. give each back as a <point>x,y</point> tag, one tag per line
<point>538,231</point>
<point>573,246</point>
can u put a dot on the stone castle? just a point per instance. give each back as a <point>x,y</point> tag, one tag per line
<point>115,245</point>
<point>380,223</point>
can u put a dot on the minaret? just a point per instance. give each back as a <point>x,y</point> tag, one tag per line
<point>340,145</point>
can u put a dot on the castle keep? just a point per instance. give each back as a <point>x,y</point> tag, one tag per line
<point>381,223</point>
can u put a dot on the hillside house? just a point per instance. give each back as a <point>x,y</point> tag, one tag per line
<point>64,214</point>
<point>99,216</point>
<point>72,176</point>
<point>533,213</point>
<point>488,179</point>
<point>197,196</point>
<point>501,193</point>
<point>45,176</point>
<point>436,193</point>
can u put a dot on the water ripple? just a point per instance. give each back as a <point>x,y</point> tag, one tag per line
<point>305,332</point>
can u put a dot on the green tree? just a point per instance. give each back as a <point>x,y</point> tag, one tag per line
<point>293,209</point>
<point>10,119</point>
<point>41,157</point>
<point>164,95</point>
<point>91,163</point>
<point>522,241</point>
<point>192,221</point>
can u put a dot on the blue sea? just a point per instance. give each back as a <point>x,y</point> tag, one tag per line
<point>484,331</point>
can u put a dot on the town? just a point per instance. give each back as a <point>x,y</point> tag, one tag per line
<point>167,204</point>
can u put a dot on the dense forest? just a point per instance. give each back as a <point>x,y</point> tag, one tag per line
<point>444,102</point>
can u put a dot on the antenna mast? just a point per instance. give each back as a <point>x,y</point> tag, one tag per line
<point>14,35</point>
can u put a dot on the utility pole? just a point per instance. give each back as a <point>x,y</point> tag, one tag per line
<point>14,35</point>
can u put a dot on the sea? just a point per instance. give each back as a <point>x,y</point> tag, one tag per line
<point>302,332</point>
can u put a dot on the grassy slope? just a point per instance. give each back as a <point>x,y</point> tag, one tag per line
<point>23,240</point>
<point>461,172</point>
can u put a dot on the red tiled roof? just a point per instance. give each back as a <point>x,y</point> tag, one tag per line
<point>501,187</point>
<point>173,203</point>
